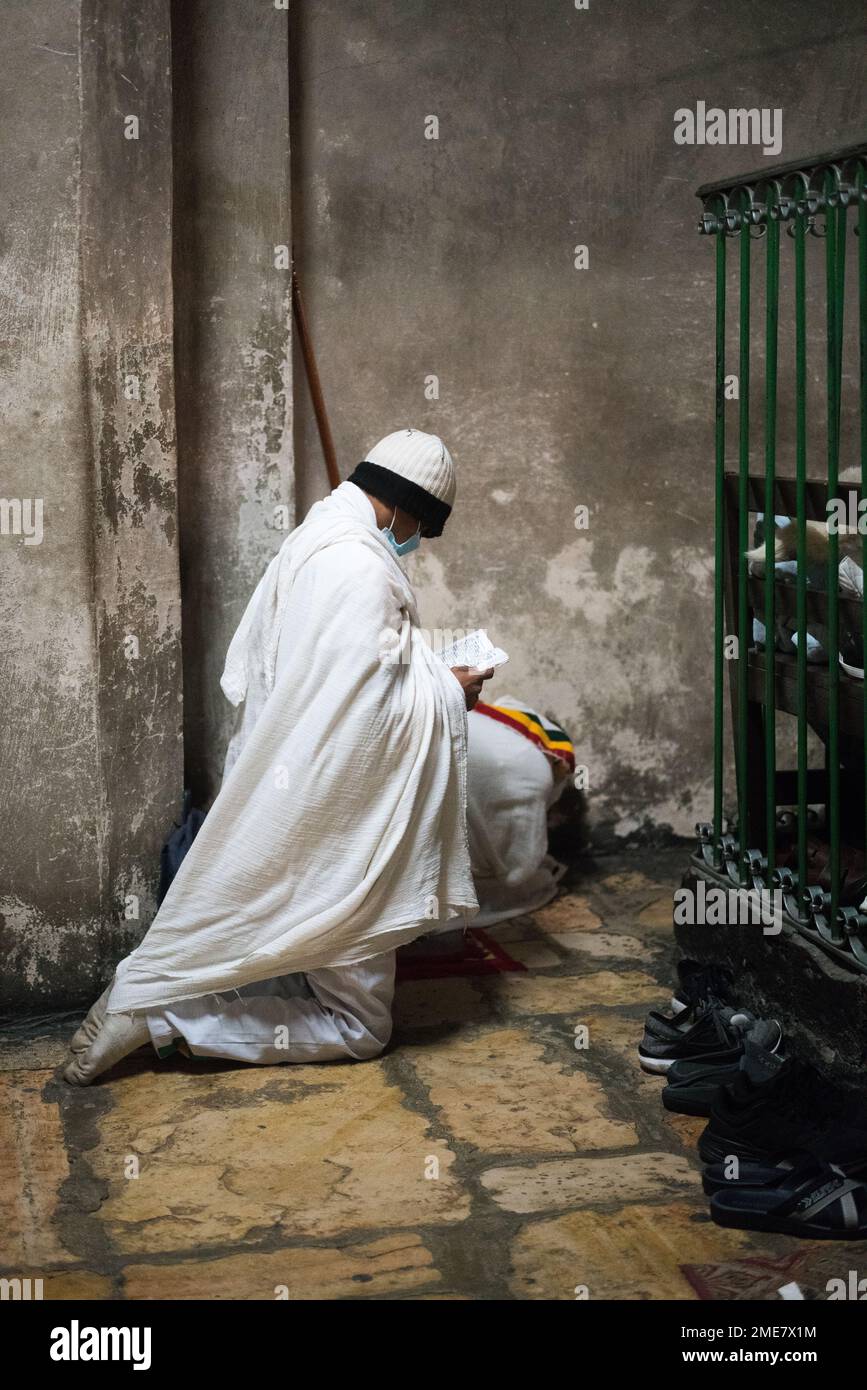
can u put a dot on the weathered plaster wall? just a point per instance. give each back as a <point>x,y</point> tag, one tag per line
<point>97,341</point>
<point>233,337</point>
<point>89,620</point>
<point>557,387</point>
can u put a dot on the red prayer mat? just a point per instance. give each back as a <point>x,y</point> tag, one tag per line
<point>476,954</point>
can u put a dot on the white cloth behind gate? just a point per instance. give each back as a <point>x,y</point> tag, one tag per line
<point>340,828</point>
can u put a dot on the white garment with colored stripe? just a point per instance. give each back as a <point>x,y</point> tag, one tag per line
<point>340,829</point>
<point>510,789</point>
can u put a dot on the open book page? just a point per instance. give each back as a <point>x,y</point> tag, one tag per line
<point>474,650</point>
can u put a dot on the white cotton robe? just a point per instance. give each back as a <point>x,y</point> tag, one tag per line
<point>340,828</point>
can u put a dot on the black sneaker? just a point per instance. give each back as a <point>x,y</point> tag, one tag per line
<point>719,1177</point>
<point>701,984</point>
<point>775,1108</point>
<point>694,1087</point>
<point>716,1030</point>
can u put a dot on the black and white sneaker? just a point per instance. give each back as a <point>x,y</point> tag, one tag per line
<point>717,1030</point>
<point>694,1086</point>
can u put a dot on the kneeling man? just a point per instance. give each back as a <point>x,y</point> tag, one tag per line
<point>339,832</point>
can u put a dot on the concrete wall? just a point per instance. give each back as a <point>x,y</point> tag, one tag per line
<point>138,287</point>
<point>557,387</point>
<point>233,337</point>
<point>90,617</point>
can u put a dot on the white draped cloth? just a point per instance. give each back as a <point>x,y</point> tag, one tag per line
<point>340,830</point>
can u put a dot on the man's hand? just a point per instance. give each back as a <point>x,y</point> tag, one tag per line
<point>471,681</point>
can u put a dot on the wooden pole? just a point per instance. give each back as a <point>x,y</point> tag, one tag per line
<point>315,384</point>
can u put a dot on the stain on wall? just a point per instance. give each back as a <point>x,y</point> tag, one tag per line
<point>557,387</point>
<point>233,339</point>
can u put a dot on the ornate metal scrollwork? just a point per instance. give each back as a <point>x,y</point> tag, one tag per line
<point>785,880</point>
<point>827,928</point>
<point>756,867</point>
<point>853,925</point>
<point>731,858</point>
<point>812,226</point>
<point>708,850</point>
<point>818,905</point>
<point>801,192</point>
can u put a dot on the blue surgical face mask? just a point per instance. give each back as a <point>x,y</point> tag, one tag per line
<point>400,547</point>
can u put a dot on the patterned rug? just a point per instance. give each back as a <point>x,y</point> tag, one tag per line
<point>762,1277</point>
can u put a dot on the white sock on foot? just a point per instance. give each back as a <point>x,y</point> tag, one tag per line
<point>119,1035</point>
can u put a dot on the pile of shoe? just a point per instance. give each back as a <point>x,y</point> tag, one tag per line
<point>783,1150</point>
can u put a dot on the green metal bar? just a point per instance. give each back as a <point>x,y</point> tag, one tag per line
<point>842,218</point>
<point>743,543</point>
<point>772,315</point>
<point>862,349</point>
<point>801,501</point>
<point>835,261</point>
<point>719,543</point>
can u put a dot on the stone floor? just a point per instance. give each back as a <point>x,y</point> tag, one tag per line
<point>485,1156</point>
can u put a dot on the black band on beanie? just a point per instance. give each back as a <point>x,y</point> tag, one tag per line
<point>404,493</point>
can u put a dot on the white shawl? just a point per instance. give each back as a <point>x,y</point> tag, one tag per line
<point>340,828</point>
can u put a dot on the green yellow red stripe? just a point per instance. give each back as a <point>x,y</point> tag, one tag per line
<point>546,736</point>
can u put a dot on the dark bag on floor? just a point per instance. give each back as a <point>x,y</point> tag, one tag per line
<point>176,846</point>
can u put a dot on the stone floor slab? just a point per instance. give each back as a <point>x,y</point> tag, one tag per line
<point>618,1036</point>
<point>395,1264</point>
<point>568,912</point>
<point>536,955</point>
<point>659,915</point>
<point>498,1094</point>
<point>33,1168</point>
<point>569,994</point>
<point>584,1182</point>
<point>604,945</point>
<point>636,1252</point>
<point>307,1151</point>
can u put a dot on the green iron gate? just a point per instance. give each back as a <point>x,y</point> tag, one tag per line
<point>824,198</point>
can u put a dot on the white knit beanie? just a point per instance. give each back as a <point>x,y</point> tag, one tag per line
<point>414,471</point>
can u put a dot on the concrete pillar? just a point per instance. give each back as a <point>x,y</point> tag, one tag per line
<point>90,682</point>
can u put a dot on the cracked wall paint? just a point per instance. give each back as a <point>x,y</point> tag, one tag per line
<point>89,677</point>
